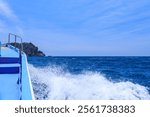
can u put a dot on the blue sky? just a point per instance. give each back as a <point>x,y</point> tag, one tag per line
<point>80,27</point>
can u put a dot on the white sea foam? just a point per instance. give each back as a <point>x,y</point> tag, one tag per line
<point>52,83</point>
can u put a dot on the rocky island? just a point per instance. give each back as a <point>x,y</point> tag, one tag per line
<point>29,48</point>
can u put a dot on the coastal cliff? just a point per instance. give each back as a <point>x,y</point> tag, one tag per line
<point>30,49</point>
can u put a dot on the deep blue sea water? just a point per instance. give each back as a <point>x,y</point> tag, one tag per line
<point>90,77</point>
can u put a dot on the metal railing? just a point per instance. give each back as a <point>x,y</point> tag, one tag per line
<point>16,36</point>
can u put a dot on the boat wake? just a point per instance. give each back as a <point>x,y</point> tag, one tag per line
<point>54,83</point>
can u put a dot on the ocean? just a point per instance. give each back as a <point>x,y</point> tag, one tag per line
<point>90,78</point>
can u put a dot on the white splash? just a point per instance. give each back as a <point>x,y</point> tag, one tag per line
<point>53,83</point>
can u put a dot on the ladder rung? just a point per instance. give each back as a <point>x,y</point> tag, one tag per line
<point>9,70</point>
<point>8,60</point>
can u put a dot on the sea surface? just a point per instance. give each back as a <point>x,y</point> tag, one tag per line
<point>90,78</point>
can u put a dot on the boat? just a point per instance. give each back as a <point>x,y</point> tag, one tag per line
<point>15,81</point>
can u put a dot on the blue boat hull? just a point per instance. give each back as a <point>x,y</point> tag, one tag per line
<point>15,82</point>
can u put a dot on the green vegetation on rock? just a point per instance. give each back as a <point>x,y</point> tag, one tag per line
<point>29,48</point>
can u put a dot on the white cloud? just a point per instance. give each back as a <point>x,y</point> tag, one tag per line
<point>9,21</point>
<point>7,11</point>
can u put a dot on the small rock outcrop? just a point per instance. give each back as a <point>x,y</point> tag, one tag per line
<point>29,48</point>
